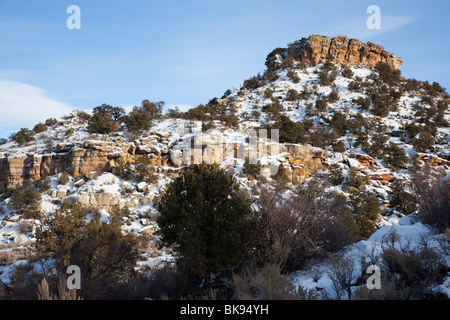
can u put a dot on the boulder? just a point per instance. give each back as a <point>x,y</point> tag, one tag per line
<point>107,199</point>
<point>384,178</point>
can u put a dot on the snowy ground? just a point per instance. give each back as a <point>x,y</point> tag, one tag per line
<point>412,233</point>
<point>177,131</point>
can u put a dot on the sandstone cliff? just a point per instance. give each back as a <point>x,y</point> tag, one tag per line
<point>93,157</point>
<point>341,49</point>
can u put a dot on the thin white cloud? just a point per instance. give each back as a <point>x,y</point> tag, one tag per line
<point>23,105</point>
<point>358,28</point>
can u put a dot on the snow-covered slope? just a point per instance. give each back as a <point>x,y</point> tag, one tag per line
<point>250,105</point>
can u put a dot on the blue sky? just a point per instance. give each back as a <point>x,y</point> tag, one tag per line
<point>184,52</point>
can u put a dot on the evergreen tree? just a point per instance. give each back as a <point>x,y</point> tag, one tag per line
<point>206,219</point>
<point>402,200</point>
<point>105,119</point>
<point>396,156</point>
<point>23,136</point>
<point>155,109</point>
<point>138,120</point>
<point>366,209</point>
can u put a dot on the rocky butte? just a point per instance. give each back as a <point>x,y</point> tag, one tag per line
<point>341,49</point>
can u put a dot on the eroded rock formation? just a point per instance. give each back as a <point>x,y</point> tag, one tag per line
<point>341,49</point>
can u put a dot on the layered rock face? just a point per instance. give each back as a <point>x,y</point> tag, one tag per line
<point>94,157</point>
<point>80,160</point>
<point>317,48</point>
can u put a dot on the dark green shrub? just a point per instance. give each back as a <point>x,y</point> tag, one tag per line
<point>24,136</point>
<point>365,210</point>
<point>347,72</point>
<point>138,120</point>
<point>378,143</point>
<point>104,255</point>
<point>268,93</point>
<point>69,132</point>
<point>402,200</point>
<point>141,170</point>
<point>105,119</point>
<point>340,123</point>
<point>336,176</point>
<point>273,109</point>
<point>411,85</point>
<point>144,171</point>
<point>201,113</point>
<point>327,77</point>
<point>412,130</point>
<point>356,85</point>
<point>396,156</point>
<point>305,94</point>
<point>292,95</point>
<point>321,105</point>
<point>364,103</point>
<point>155,109</point>
<point>50,122</point>
<point>26,200</point>
<point>252,83</point>
<point>227,93</point>
<point>40,127</point>
<point>387,74</point>
<point>208,126</point>
<point>175,113</point>
<point>270,75</point>
<point>293,76</point>
<point>253,170</point>
<point>339,146</point>
<point>289,131</point>
<point>230,120</point>
<point>333,96</point>
<point>321,136</point>
<point>423,142</point>
<point>442,107</point>
<point>206,219</point>
<point>357,179</point>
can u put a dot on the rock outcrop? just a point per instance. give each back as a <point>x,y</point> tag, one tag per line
<point>93,157</point>
<point>341,49</point>
<point>81,160</point>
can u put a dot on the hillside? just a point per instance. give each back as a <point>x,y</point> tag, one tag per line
<point>348,124</point>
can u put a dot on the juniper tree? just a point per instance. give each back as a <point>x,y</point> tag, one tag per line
<point>206,219</point>
<point>396,156</point>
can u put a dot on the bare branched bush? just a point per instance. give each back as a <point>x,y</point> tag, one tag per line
<point>267,283</point>
<point>412,270</point>
<point>432,194</point>
<point>343,274</point>
<point>290,231</point>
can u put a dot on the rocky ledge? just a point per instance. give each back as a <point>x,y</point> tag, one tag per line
<point>341,49</point>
